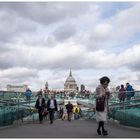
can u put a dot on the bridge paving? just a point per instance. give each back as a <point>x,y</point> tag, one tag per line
<point>65,129</point>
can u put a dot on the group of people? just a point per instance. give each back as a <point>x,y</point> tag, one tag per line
<point>126,92</point>
<point>68,110</point>
<point>50,106</point>
<point>102,94</point>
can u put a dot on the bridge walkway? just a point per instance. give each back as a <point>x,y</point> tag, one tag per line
<point>65,129</point>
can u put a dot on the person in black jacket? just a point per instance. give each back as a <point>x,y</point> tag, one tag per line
<point>52,107</point>
<point>69,108</point>
<point>40,105</point>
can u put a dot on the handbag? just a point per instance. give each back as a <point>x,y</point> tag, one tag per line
<point>44,113</point>
<point>100,104</point>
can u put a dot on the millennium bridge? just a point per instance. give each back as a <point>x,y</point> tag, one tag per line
<point>19,118</point>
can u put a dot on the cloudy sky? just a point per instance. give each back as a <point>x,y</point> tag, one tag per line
<point>41,41</point>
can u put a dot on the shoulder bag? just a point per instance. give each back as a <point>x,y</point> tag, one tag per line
<point>100,104</point>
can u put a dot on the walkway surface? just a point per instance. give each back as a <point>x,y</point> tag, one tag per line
<point>65,129</point>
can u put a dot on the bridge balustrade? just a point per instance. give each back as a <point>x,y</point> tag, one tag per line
<point>14,107</point>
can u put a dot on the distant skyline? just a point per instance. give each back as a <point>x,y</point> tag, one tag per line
<point>41,41</point>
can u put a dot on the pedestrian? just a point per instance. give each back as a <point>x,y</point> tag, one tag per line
<point>28,94</point>
<point>69,108</point>
<point>52,107</point>
<point>64,115</point>
<point>132,92</point>
<point>129,89</point>
<point>40,105</point>
<point>76,114</point>
<point>60,112</point>
<point>80,112</point>
<point>122,93</point>
<point>102,92</point>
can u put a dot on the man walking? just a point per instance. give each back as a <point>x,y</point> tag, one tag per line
<point>40,105</point>
<point>69,108</point>
<point>52,107</point>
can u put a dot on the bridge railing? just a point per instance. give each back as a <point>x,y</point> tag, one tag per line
<point>19,108</point>
<point>15,108</point>
<point>127,112</point>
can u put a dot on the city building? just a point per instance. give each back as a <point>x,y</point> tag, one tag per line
<point>70,84</point>
<point>46,86</point>
<point>17,88</point>
<point>77,88</point>
<point>82,87</point>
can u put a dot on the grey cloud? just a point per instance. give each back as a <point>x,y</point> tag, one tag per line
<point>47,12</point>
<point>69,62</point>
<point>4,48</point>
<point>75,62</point>
<point>5,65</point>
<point>12,58</point>
<point>50,41</point>
<point>64,32</point>
<point>121,78</point>
<point>12,26</point>
<point>24,75</point>
<point>19,19</point>
<point>126,24</point>
<point>18,73</point>
<point>138,76</point>
<point>134,66</point>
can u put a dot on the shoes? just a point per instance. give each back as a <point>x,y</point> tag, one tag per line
<point>104,132</point>
<point>99,132</point>
<point>51,122</point>
<point>40,122</point>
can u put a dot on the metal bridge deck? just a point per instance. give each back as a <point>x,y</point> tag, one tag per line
<point>65,129</point>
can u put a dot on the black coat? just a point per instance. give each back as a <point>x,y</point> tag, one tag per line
<point>55,105</point>
<point>69,107</point>
<point>43,105</point>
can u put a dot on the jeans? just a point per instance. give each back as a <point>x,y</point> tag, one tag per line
<point>51,112</point>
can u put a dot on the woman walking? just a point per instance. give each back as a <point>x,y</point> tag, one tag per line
<point>102,92</point>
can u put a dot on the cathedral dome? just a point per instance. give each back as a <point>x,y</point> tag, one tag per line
<point>70,83</point>
<point>70,79</point>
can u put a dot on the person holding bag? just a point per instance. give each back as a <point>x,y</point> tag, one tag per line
<point>102,96</point>
<point>40,105</point>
